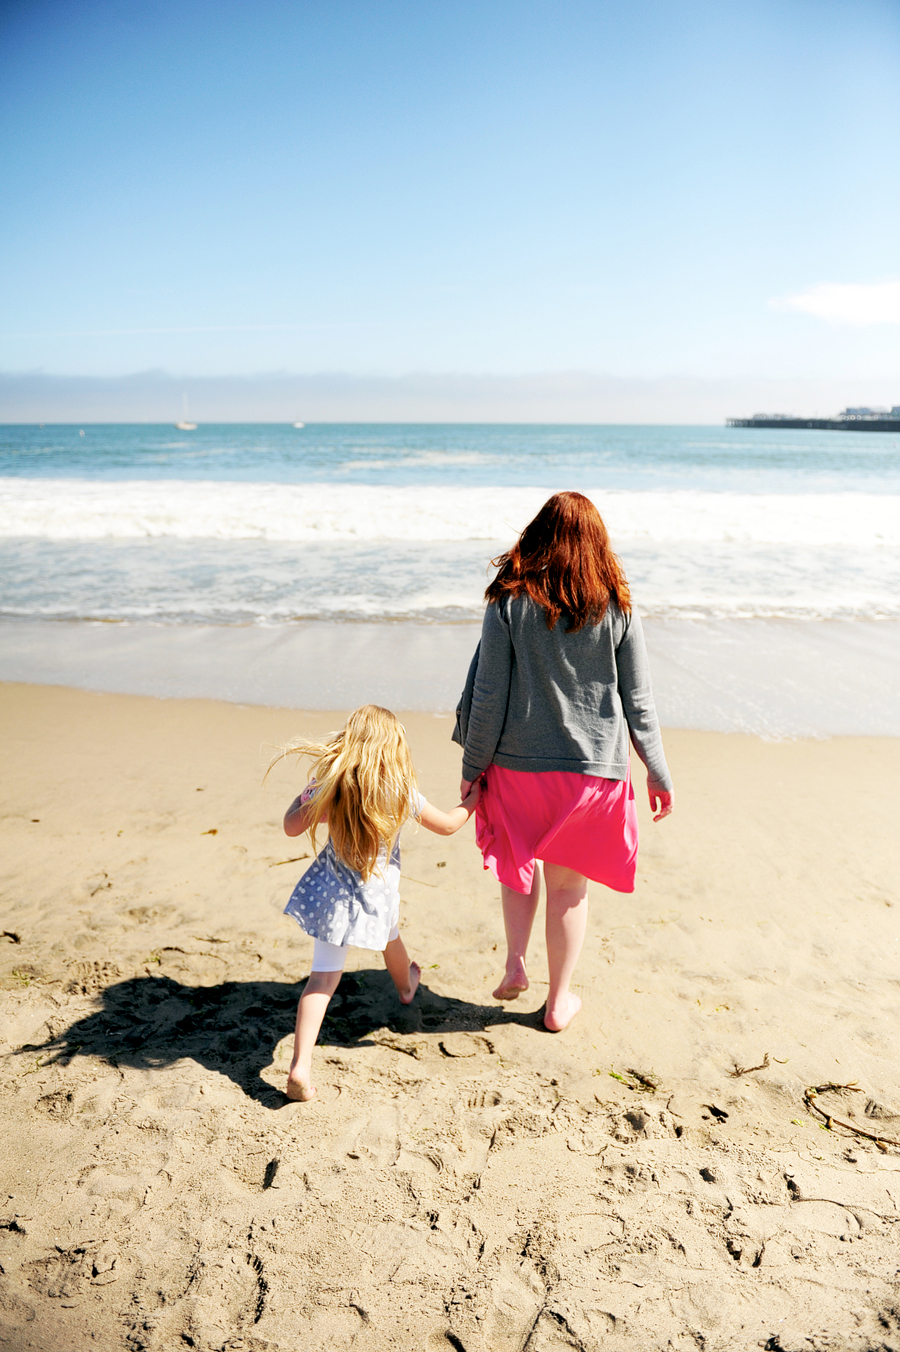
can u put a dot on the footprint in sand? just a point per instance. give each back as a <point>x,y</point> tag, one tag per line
<point>465,1044</point>
<point>231,1296</point>
<point>58,1104</point>
<point>483,1098</point>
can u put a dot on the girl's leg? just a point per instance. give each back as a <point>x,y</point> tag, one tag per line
<point>519,911</point>
<point>404,974</point>
<point>567,912</point>
<point>310,1012</point>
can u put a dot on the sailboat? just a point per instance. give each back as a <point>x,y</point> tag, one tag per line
<point>299,424</point>
<point>185,425</point>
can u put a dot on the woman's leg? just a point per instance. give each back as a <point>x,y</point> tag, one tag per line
<point>404,974</point>
<point>519,911</point>
<point>567,912</point>
<point>310,1012</point>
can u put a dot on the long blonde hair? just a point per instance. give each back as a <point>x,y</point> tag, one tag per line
<point>365,785</point>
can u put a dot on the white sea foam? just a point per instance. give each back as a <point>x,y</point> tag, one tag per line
<point>73,509</point>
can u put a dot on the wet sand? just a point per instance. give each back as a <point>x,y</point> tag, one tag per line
<point>464,1179</point>
<point>769,677</point>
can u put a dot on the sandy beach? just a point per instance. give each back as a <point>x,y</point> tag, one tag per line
<point>330,331</point>
<point>464,1179</point>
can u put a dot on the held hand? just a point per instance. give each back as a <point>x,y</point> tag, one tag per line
<point>465,788</point>
<point>472,793</point>
<point>663,800</point>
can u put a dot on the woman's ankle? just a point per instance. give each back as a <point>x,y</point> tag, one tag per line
<point>560,1010</point>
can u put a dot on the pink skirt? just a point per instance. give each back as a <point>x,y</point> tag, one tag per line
<point>581,822</point>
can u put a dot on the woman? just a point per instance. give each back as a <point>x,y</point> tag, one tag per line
<point>558,684</point>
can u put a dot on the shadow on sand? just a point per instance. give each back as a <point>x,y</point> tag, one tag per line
<point>232,1028</point>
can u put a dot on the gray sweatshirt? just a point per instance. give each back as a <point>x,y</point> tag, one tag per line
<point>545,699</point>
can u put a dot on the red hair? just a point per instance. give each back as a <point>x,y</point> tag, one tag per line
<point>564,562</point>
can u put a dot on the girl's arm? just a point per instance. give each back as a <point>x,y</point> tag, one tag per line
<point>300,816</point>
<point>448,823</point>
<point>297,819</point>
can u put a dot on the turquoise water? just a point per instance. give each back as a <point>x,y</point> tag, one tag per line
<point>273,525</point>
<point>626,457</point>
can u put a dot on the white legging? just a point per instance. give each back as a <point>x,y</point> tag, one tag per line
<point>331,957</point>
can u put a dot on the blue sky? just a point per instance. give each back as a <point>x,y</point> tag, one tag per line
<point>338,185</point>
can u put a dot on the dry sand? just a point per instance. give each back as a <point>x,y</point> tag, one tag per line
<point>464,1180</point>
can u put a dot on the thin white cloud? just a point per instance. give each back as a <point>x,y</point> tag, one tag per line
<point>847,302</point>
<point>199,328</point>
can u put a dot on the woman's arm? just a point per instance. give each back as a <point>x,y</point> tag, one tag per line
<point>448,823</point>
<point>490,696</point>
<point>640,714</point>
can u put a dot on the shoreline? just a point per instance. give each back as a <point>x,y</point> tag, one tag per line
<point>772,678</point>
<point>489,1178</point>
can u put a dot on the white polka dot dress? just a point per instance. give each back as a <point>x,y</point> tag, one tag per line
<point>332,902</point>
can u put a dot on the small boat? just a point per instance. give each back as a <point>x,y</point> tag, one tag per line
<point>185,425</point>
<point>299,424</point>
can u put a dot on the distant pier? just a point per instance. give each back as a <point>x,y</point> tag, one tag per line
<point>851,420</point>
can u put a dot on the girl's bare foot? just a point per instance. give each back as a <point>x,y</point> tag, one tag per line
<point>415,976</point>
<point>515,981</point>
<point>561,1013</point>
<point>299,1086</point>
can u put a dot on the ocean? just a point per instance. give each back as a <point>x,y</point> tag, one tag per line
<point>256,538</point>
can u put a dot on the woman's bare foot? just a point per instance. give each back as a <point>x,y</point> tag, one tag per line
<point>415,976</point>
<point>299,1086</point>
<point>515,981</point>
<point>562,1012</point>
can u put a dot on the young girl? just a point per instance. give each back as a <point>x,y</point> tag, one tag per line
<point>363,790</point>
